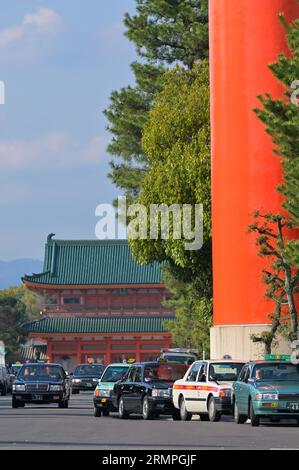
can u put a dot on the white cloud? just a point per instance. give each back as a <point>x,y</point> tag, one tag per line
<point>56,149</point>
<point>22,41</point>
<point>95,150</point>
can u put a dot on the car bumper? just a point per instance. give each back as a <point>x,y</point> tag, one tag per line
<point>224,405</point>
<point>104,403</point>
<point>53,397</point>
<point>162,406</point>
<point>279,409</point>
<point>82,387</point>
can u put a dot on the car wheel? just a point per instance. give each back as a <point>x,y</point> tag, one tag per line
<point>255,420</point>
<point>176,416</point>
<point>203,417</point>
<point>15,404</point>
<point>106,412</point>
<point>184,414</point>
<point>97,413</point>
<point>239,419</point>
<point>214,415</point>
<point>147,413</point>
<point>121,410</point>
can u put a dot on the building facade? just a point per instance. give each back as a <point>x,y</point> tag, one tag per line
<point>101,305</point>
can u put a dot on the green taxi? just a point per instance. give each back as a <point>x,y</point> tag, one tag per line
<point>267,389</point>
<point>102,395</point>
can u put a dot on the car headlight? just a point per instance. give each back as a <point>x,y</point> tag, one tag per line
<point>19,388</point>
<point>56,388</point>
<point>160,393</point>
<point>76,381</point>
<point>266,396</point>
<point>95,380</point>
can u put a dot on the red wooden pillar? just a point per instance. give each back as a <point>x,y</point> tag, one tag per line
<point>79,352</point>
<point>108,350</point>
<point>245,36</point>
<point>49,350</point>
<point>137,350</point>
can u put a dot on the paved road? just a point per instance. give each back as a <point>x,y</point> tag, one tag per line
<point>47,427</point>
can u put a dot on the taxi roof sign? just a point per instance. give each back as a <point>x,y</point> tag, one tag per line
<point>277,357</point>
<point>131,360</point>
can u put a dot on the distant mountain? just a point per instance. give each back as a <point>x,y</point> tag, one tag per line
<point>12,271</point>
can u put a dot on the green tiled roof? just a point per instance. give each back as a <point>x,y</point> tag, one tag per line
<point>95,325</point>
<point>93,262</point>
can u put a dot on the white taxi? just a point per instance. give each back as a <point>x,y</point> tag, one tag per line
<point>206,389</point>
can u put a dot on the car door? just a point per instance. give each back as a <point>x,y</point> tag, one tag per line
<point>137,391</point>
<point>203,389</point>
<point>241,392</point>
<point>126,389</point>
<point>191,392</point>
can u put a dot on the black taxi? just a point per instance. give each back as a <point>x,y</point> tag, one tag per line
<point>146,389</point>
<point>41,383</point>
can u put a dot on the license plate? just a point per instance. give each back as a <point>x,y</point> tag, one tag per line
<point>37,397</point>
<point>88,385</point>
<point>293,406</point>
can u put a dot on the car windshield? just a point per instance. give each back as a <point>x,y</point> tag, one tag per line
<point>179,359</point>
<point>92,370</point>
<point>37,372</point>
<point>165,372</point>
<point>16,369</point>
<point>225,371</point>
<point>114,373</point>
<point>276,372</point>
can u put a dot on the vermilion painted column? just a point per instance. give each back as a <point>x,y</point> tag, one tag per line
<point>245,36</point>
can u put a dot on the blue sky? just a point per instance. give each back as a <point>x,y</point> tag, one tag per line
<point>59,60</point>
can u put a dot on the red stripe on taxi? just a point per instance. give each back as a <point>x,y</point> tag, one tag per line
<point>204,388</point>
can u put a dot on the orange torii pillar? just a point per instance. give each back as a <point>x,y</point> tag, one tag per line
<point>245,36</point>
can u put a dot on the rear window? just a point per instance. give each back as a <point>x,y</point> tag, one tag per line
<point>165,371</point>
<point>179,359</point>
<point>93,370</point>
<point>225,371</point>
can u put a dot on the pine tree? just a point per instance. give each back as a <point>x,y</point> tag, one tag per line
<point>170,30</point>
<point>165,32</point>
<point>127,115</point>
<point>281,117</point>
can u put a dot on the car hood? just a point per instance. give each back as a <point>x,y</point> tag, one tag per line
<point>278,387</point>
<point>86,377</point>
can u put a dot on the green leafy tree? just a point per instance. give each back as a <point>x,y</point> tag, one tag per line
<point>281,117</point>
<point>165,32</point>
<point>127,115</point>
<point>193,314</point>
<point>176,141</point>
<point>170,30</point>
<point>12,315</point>
<point>33,303</point>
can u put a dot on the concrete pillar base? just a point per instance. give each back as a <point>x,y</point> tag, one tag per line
<point>235,341</point>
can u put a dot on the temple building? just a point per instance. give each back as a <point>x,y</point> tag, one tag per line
<point>101,305</point>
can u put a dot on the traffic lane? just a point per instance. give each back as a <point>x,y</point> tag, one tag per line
<point>48,427</point>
